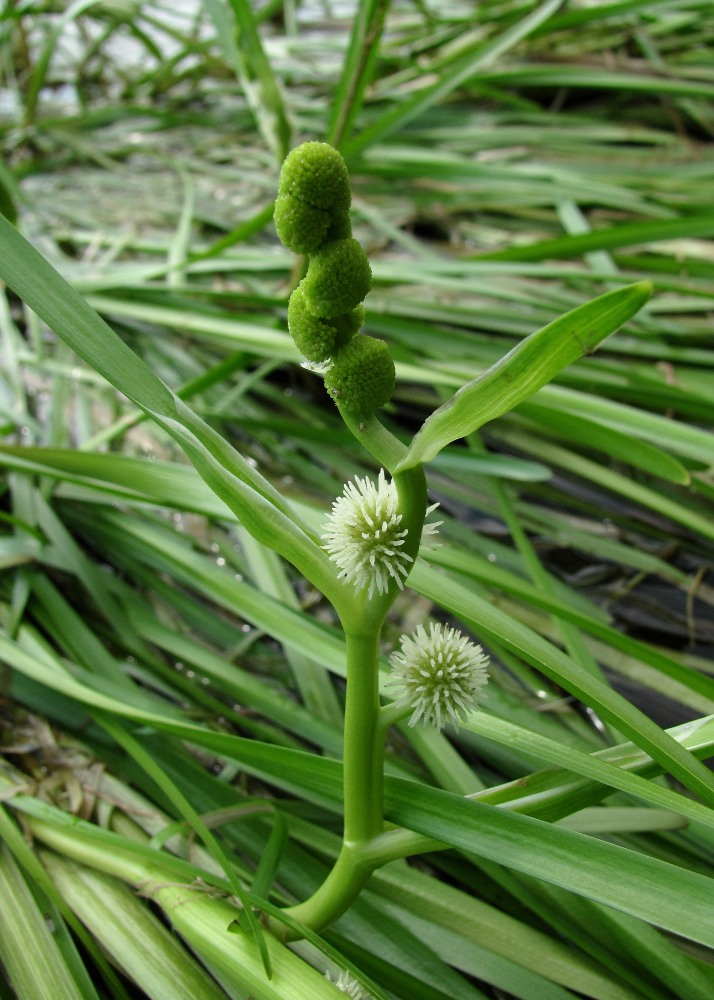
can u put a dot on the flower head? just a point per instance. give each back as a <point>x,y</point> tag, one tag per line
<point>441,674</point>
<point>349,986</point>
<point>317,338</point>
<point>362,375</point>
<point>315,174</point>
<point>363,535</point>
<point>338,278</point>
<point>313,198</point>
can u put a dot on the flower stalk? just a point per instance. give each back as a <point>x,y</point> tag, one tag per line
<point>375,529</point>
<point>362,759</point>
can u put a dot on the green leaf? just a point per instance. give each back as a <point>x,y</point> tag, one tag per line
<point>269,522</point>
<point>24,933</point>
<point>624,879</point>
<point>685,513</point>
<point>185,809</point>
<point>270,858</point>
<point>253,499</point>
<point>579,76</point>
<point>256,75</point>
<point>525,369</point>
<point>623,235</point>
<point>136,940</point>
<point>68,931</point>
<point>42,64</point>
<point>590,434</point>
<point>477,55</point>
<point>125,477</point>
<point>358,68</point>
<point>63,309</point>
<point>478,923</point>
<point>594,766</point>
<point>201,918</point>
<point>461,464</point>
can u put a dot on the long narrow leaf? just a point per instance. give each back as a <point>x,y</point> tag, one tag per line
<point>245,491</point>
<point>624,235</point>
<point>525,369</point>
<point>477,56</point>
<point>358,67</point>
<point>259,82</point>
<point>673,898</point>
<point>24,933</point>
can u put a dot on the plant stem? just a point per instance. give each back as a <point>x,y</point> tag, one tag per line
<point>363,784</point>
<point>346,879</point>
<point>374,436</point>
<point>365,728</point>
<point>363,777</point>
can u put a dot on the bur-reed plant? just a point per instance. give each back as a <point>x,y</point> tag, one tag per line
<point>359,559</point>
<point>509,175</point>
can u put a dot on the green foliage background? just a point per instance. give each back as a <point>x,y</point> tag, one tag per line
<point>172,691</point>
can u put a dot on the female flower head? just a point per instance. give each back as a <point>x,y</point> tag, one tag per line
<point>349,986</point>
<point>364,538</point>
<point>313,198</point>
<point>441,675</point>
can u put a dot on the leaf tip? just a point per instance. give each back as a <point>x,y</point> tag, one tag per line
<point>645,289</point>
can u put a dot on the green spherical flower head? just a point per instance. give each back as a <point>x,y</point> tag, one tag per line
<point>347,325</point>
<point>300,227</point>
<point>338,278</point>
<point>340,227</point>
<point>314,337</point>
<point>316,174</point>
<point>361,378</point>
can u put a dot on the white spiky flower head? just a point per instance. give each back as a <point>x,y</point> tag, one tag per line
<point>364,537</point>
<point>349,986</point>
<point>441,675</point>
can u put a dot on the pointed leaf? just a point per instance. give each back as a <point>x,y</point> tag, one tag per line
<point>615,876</point>
<point>260,507</point>
<point>525,369</point>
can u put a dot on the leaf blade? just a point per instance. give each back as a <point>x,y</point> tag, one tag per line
<point>614,876</point>
<point>525,369</point>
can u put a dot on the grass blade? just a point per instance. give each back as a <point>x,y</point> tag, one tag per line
<point>467,64</point>
<point>625,235</point>
<point>256,75</point>
<point>600,871</point>
<point>525,369</point>
<point>367,27</point>
<point>24,933</point>
<point>135,939</point>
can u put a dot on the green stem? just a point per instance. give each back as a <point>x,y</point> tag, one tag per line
<point>348,877</point>
<point>363,787</point>
<point>366,724</point>
<point>363,777</point>
<point>392,713</point>
<point>412,493</point>
<point>374,436</point>
<point>394,845</point>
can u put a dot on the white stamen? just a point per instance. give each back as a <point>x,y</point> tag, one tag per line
<point>364,537</point>
<point>441,675</point>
